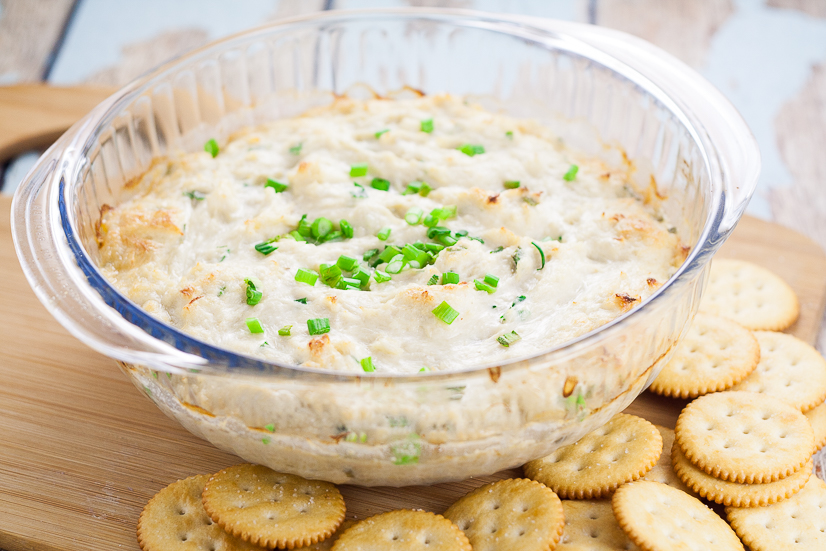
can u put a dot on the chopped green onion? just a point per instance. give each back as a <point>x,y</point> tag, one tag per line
<point>430,221</point>
<point>347,263</point>
<point>321,227</point>
<point>509,134</point>
<point>362,275</point>
<point>516,257</point>
<point>570,176</point>
<point>445,313</point>
<point>424,370</point>
<point>367,364</point>
<point>389,252</point>
<point>384,234</point>
<point>434,279</point>
<point>413,188</point>
<point>285,331</point>
<point>460,233</point>
<point>346,229</point>
<point>472,149</point>
<point>360,193</point>
<point>492,280</point>
<point>427,126</point>
<point>266,247</point>
<point>447,240</point>
<point>497,250</point>
<point>425,190</point>
<point>530,200</point>
<point>351,282</point>
<point>433,247</point>
<point>508,339</point>
<point>211,147</point>
<point>296,149</point>
<point>253,294</point>
<point>450,278</point>
<point>413,216</point>
<point>304,227</point>
<point>511,184</point>
<point>195,195</point>
<point>444,213</point>
<point>270,427</point>
<point>306,276</point>
<point>519,299</point>
<point>277,186</point>
<point>330,274</point>
<point>406,452</point>
<point>359,169</point>
<point>479,239</point>
<point>414,256</point>
<point>297,236</point>
<point>482,286</point>
<point>254,325</point>
<point>541,254</point>
<point>381,184</point>
<point>370,254</point>
<point>381,277</point>
<point>318,326</point>
<point>265,440</point>
<point>395,265</point>
<point>302,300</point>
<point>380,132</point>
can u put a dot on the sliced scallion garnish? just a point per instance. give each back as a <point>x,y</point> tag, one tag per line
<point>492,280</point>
<point>444,213</point>
<point>380,132</point>
<point>359,169</point>
<point>384,234</point>
<point>321,227</point>
<point>266,247</point>
<point>195,195</point>
<point>306,276</point>
<point>318,326</point>
<point>426,126</point>
<point>285,331</point>
<point>541,255</point>
<point>296,149</point>
<point>381,184</point>
<point>380,276</point>
<point>396,264</point>
<point>482,286</point>
<point>302,300</point>
<point>413,216</point>
<point>445,313</point>
<point>472,149</point>
<point>508,339</point>
<point>570,176</point>
<point>211,147</point>
<point>511,184</point>
<point>254,325</point>
<point>277,186</point>
<point>369,254</point>
<point>449,278</point>
<point>346,229</point>
<point>360,192</point>
<point>347,263</point>
<point>253,294</point>
<point>271,426</point>
<point>509,134</point>
<point>434,279</point>
<point>367,364</point>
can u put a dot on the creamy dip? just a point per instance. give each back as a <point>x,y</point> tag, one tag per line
<point>546,244</point>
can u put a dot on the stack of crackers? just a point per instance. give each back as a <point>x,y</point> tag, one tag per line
<point>745,442</point>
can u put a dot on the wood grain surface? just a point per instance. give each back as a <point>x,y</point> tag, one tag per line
<point>82,450</point>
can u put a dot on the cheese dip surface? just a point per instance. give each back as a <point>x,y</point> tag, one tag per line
<point>426,234</point>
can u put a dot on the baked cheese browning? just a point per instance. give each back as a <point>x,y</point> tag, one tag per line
<point>476,241</point>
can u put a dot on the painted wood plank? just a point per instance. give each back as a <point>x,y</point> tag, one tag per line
<point>28,33</point>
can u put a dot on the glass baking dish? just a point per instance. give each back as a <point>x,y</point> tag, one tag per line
<point>601,91</point>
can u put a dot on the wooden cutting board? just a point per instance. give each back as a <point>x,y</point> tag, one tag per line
<point>82,451</point>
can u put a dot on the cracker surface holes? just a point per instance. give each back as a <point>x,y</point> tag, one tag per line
<point>789,369</point>
<point>624,449</point>
<point>797,523</point>
<point>273,509</point>
<point>716,354</point>
<point>175,520</point>
<point>517,514</point>
<point>657,517</point>
<point>403,530</point>
<point>752,296</point>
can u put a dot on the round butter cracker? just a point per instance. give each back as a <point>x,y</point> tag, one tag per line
<point>730,493</point>
<point>622,450</point>
<point>657,517</point>
<point>798,523</point>
<point>403,530</point>
<point>716,354</point>
<point>591,526</point>
<point>789,369</point>
<point>273,509</point>
<point>175,520</point>
<point>663,471</point>
<point>515,514</point>
<point>752,296</point>
<point>817,418</point>
<point>744,437</point>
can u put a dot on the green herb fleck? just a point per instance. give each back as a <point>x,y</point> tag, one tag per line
<point>497,250</point>
<point>381,132</point>
<point>296,149</point>
<point>449,278</point>
<point>406,452</point>
<point>384,234</point>
<point>381,277</point>
<point>380,184</point>
<point>318,326</point>
<point>265,440</point>
<point>511,184</point>
<point>367,365</point>
<point>211,147</point>
<point>253,294</point>
<point>445,313</point>
<point>270,427</point>
<point>471,150</point>
<point>508,339</point>
<point>195,195</point>
<point>427,126</point>
<point>285,331</point>
<point>301,300</point>
<point>482,286</point>
<point>434,279</point>
<point>541,255</point>
<point>277,186</point>
<point>306,276</point>
<point>359,169</point>
<point>254,325</point>
<point>360,193</point>
<point>570,176</point>
<point>509,134</point>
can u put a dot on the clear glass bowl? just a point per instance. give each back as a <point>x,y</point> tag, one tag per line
<point>600,90</point>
